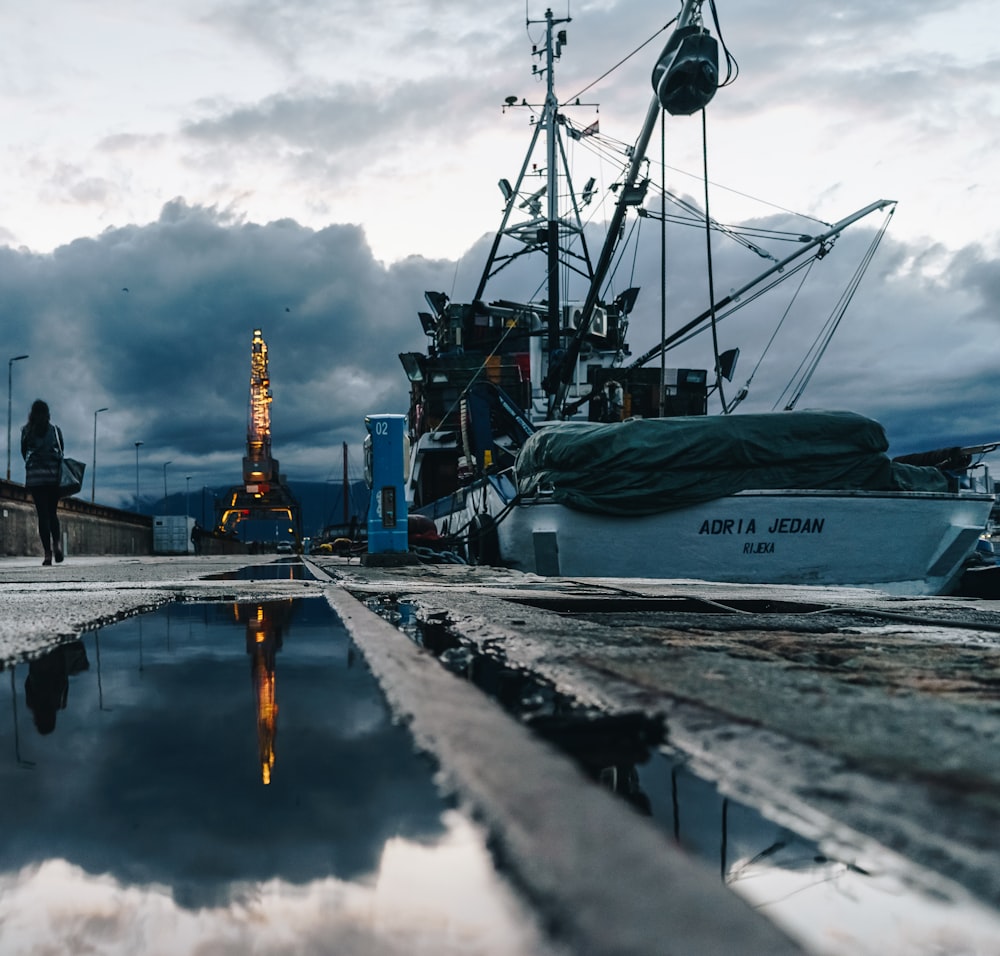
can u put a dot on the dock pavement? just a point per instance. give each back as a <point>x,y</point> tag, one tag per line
<point>864,717</point>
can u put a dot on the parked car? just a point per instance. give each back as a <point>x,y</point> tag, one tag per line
<point>285,547</point>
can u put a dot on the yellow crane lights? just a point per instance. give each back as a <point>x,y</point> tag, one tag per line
<point>258,467</point>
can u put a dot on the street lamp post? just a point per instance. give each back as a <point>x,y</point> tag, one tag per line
<point>93,469</point>
<point>165,484</point>
<point>137,444</point>
<point>187,496</point>
<point>10,373</point>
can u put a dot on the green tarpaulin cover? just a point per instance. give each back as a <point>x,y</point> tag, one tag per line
<point>645,466</point>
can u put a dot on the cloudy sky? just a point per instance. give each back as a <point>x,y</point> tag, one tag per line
<point>301,168</point>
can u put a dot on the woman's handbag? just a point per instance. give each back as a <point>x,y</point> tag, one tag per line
<point>70,476</point>
<point>70,471</point>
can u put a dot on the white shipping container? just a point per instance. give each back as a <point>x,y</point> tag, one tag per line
<point>172,534</point>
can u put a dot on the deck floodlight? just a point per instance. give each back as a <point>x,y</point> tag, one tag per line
<point>413,365</point>
<point>437,301</point>
<point>626,300</point>
<point>506,189</point>
<point>727,363</point>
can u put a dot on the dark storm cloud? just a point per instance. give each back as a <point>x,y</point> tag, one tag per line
<point>170,356</point>
<point>981,275</point>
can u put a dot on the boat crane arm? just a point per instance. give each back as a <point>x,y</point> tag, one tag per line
<point>820,240</point>
<point>807,246</point>
<point>558,379</point>
<point>981,449</point>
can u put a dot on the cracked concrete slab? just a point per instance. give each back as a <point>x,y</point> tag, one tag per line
<point>860,717</point>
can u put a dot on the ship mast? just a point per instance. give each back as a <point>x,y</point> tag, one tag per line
<point>561,377</point>
<point>540,232</point>
<point>552,237</point>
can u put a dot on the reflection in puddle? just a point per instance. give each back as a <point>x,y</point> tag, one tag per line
<point>284,569</point>
<point>833,899</point>
<point>228,778</point>
<point>836,899</point>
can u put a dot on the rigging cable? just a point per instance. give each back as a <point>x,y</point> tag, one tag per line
<point>743,392</point>
<point>711,271</point>
<point>825,335</point>
<point>736,306</point>
<point>624,59</point>
<point>663,260</point>
<point>732,67</point>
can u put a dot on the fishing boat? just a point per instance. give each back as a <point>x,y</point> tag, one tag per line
<point>539,443</point>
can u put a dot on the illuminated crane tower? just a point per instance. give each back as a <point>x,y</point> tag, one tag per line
<point>259,468</point>
<point>263,493</point>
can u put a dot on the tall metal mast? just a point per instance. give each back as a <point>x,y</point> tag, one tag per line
<point>690,14</point>
<point>531,234</point>
<point>552,237</point>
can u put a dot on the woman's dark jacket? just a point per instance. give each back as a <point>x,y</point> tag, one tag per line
<point>42,456</point>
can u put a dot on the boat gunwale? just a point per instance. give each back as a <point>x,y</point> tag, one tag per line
<point>545,496</point>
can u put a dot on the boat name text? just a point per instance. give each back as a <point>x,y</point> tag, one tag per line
<point>749,526</point>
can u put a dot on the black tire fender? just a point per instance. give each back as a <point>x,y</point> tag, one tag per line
<point>484,542</point>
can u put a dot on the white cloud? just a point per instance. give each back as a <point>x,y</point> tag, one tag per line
<point>444,898</point>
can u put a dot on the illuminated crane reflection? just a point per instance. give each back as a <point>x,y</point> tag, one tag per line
<point>265,623</point>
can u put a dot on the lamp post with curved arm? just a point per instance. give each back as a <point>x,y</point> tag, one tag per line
<point>165,484</point>
<point>10,373</point>
<point>93,464</point>
<point>137,444</point>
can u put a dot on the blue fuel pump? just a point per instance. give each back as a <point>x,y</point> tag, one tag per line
<point>385,453</point>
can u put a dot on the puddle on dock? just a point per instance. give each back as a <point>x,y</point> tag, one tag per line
<point>228,778</point>
<point>833,899</point>
<point>284,569</point>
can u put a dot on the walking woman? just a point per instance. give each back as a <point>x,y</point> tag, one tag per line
<point>41,449</point>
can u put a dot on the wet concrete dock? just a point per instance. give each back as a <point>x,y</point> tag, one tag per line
<point>864,730</point>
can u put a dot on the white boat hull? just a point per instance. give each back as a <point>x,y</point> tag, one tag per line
<point>906,543</point>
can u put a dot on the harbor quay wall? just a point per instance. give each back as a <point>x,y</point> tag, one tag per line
<point>86,528</point>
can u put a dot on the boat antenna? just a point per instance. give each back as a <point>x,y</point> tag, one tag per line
<point>549,122</point>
